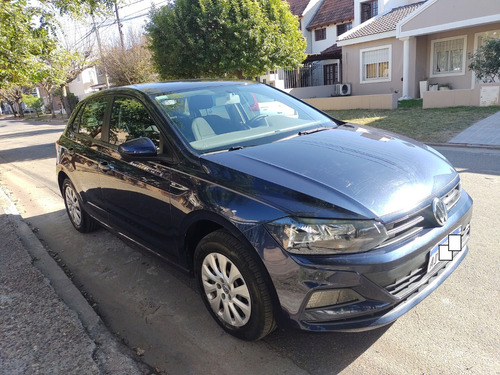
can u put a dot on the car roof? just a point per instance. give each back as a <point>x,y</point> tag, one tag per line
<point>155,88</point>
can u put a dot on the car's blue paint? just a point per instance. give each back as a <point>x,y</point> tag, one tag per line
<point>166,203</point>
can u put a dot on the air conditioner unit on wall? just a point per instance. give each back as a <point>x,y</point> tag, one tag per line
<point>343,89</point>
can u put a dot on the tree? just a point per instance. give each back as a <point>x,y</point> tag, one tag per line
<point>27,34</point>
<point>33,102</point>
<point>485,62</point>
<point>131,65</point>
<point>59,67</point>
<point>21,41</point>
<point>224,38</point>
<point>13,95</point>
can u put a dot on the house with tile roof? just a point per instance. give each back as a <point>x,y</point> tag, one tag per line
<point>412,41</point>
<point>321,22</point>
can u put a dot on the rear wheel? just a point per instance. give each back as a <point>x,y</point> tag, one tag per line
<point>233,286</point>
<point>77,215</point>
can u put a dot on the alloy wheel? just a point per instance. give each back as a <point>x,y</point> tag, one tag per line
<point>73,205</point>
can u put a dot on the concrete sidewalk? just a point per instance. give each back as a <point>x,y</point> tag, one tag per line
<point>483,133</point>
<point>46,325</point>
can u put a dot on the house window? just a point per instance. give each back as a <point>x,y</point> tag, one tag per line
<point>320,34</point>
<point>369,10</point>
<point>330,74</point>
<point>448,56</point>
<point>376,64</point>
<point>342,28</point>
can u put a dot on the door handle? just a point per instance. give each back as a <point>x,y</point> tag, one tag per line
<point>105,166</point>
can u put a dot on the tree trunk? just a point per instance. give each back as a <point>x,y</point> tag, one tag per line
<point>65,101</point>
<point>239,74</point>
<point>52,104</point>
<point>20,107</point>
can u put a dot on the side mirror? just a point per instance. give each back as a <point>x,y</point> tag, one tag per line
<point>139,148</point>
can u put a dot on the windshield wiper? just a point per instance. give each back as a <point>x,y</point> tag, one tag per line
<point>306,132</point>
<point>234,148</point>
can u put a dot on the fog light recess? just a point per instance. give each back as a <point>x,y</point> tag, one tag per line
<point>332,297</point>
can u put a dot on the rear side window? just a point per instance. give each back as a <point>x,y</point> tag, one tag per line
<point>92,118</point>
<point>130,120</point>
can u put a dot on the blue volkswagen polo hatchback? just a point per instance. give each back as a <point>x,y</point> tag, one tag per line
<point>280,212</point>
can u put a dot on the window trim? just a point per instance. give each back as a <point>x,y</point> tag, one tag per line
<point>464,57</point>
<point>361,66</point>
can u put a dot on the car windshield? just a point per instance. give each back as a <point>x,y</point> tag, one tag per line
<point>228,117</point>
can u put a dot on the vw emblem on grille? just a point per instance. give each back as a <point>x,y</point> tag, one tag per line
<point>439,211</point>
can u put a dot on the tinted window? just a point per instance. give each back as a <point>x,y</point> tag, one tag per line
<point>92,118</point>
<point>130,120</point>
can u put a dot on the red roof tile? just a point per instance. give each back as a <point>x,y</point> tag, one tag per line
<point>334,49</point>
<point>297,7</point>
<point>332,11</point>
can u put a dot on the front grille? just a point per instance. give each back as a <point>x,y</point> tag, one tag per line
<point>452,197</point>
<point>404,285</point>
<point>410,225</point>
<point>403,228</point>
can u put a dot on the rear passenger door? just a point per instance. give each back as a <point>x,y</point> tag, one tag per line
<point>136,193</point>
<point>85,152</point>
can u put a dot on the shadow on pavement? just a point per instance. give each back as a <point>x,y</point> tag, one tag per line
<point>155,307</point>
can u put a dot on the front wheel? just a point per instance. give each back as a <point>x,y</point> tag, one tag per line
<point>77,215</point>
<point>233,286</point>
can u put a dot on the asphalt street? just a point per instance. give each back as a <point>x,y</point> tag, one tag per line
<point>156,311</point>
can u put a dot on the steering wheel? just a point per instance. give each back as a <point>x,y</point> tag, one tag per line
<point>251,123</point>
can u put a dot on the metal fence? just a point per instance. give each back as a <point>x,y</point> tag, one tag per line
<point>310,74</point>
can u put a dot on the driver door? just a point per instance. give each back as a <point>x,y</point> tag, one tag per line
<point>136,193</point>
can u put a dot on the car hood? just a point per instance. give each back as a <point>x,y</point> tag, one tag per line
<point>356,170</point>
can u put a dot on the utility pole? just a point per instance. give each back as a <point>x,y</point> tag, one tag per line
<point>100,51</point>
<point>120,26</point>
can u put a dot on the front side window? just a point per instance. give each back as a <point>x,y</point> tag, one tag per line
<point>92,118</point>
<point>376,64</point>
<point>320,34</point>
<point>130,120</point>
<point>448,56</point>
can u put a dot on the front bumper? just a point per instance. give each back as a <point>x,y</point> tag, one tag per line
<point>389,280</point>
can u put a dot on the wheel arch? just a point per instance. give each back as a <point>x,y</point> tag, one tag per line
<point>198,225</point>
<point>201,223</point>
<point>61,176</point>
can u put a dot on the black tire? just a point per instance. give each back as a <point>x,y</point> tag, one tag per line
<point>242,306</point>
<point>74,208</point>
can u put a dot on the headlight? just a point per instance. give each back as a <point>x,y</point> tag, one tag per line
<point>313,236</point>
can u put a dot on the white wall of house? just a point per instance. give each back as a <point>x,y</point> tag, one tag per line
<point>320,45</point>
<point>307,16</point>
<point>81,86</point>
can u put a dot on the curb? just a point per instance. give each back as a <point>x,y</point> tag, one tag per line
<point>465,145</point>
<point>111,356</point>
